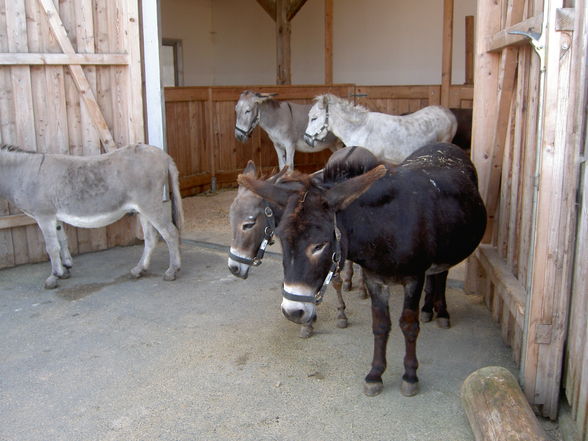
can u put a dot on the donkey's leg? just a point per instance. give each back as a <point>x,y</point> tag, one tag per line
<point>48,227</point>
<point>150,240</point>
<point>281,152</point>
<point>427,310</point>
<point>381,329</point>
<point>171,235</point>
<point>341,317</point>
<point>66,259</point>
<point>439,282</point>
<point>289,152</point>
<point>348,275</point>
<point>409,324</point>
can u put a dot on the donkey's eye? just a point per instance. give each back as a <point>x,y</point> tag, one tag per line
<point>248,225</point>
<point>318,248</point>
<point>313,119</point>
<point>248,111</point>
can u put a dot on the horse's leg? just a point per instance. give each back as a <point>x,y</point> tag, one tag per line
<point>427,310</point>
<point>171,235</point>
<point>150,240</point>
<point>409,324</point>
<point>381,329</point>
<point>48,227</point>
<point>341,317</point>
<point>64,253</point>
<point>348,275</point>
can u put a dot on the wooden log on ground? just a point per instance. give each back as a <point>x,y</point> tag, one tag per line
<point>497,408</point>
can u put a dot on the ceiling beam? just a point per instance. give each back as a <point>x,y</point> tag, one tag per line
<point>292,7</point>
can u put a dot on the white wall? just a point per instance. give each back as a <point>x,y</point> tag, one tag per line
<point>388,42</point>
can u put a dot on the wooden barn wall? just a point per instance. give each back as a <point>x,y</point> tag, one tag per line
<point>528,147</point>
<point>200,124</point>
<point>70,80</point>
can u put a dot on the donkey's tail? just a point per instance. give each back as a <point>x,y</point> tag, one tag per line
<point>176,199</point>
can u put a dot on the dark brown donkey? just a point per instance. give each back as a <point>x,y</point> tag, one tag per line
<point>402,225</point>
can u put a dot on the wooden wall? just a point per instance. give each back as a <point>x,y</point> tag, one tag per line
<point>200,125</point>
<point>70,82</point>
<point>528,144</point>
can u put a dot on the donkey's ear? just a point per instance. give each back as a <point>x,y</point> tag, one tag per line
<point>342,195</point>
<point>250,169</point>
<point>265,189</point>
<point>275,178</point>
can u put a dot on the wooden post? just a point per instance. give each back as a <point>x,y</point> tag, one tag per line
<point>469,49</point>
<point>328,41</point>
<point>283,31</point>
<point>497,408</point>
<point>447,51</point>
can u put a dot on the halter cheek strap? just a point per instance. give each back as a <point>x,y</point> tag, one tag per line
<point>317,298</point>
<point>325,125</point>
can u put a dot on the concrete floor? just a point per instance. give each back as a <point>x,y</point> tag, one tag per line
<point>209,357</point>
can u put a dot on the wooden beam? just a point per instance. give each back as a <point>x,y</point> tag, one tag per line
<point>78,75</point>
<point>447,51</point>
<point>469,49</point>
<point>269,6</point>
<point>295,6</point>
<point>328,41</point>
<point>15,59</point>
<point>16,220</point>
<point>283,31</point>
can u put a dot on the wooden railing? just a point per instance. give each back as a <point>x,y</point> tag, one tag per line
<point>200,125</point>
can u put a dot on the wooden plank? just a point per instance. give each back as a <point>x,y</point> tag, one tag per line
<point>446,65</point>
<point>328,42</point>
<point>78,75</point>
<point>503,38</point>
<point>16,59</point>
<point>15,220</point>
<point>268,6</point>
<point>294,7</point>
<point>469,49</point>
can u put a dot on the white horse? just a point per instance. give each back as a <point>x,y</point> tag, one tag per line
<point>94,191</point>
<point>284,123</point>
<point>388,137</point>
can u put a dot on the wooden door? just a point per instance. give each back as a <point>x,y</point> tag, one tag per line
<point>70,82</point>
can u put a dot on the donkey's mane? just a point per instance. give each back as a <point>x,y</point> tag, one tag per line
<point>345,105</point>
<point>14,148</point>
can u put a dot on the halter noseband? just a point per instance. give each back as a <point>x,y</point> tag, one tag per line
<point>253,125</point>
<point>317,298</point>
<point>268,232</point>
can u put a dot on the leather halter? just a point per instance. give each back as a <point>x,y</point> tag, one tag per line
<point>317,298</point>
<point>253,125</point>
<point>268,232</point>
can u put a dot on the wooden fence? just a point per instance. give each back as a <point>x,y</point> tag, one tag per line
<point>529,128</point>
<point>200,125</point>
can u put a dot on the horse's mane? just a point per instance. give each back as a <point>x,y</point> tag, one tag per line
<point>14,148</point>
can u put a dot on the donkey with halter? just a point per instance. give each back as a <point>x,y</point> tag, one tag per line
<point>284,123</point>
<point>389,137</point>
<point>402,225</point>
<point>253,224</point>
<point>95,191</point>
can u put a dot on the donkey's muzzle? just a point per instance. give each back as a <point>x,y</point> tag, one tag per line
<point>240,135</point>
<point>310,140</point>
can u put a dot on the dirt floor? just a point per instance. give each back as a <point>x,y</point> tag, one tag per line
<point>209,356</point>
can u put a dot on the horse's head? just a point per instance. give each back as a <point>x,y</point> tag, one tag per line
<point>253,222</point>
<point>317,128</point>
<point>312,246</point>
<point>248,113</point>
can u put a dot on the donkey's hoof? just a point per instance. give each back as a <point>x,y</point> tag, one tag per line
<point>306,331</point>
<point>443,322</point>
<point>51,282</point>
<point>169,276</point>
<point>342,322</point>
<point>373,389</point>
<point>409,389</point>
<point>426,317</point>
<point>66,274</point>
<point>136,273</point>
